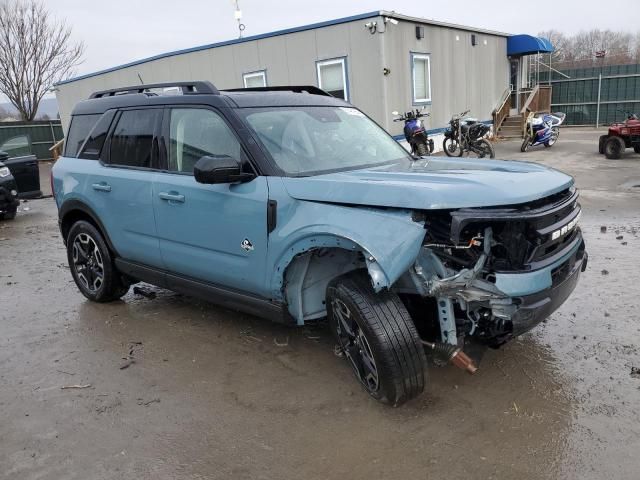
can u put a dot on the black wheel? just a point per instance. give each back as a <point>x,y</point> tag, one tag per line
<point>421,149</point>
<point>378,338</point>
<point>91,264</point>
<point>451,147</point>
<point>486,148</point>
<point>525,144</point>
<point>613,148</point>
<point>601,141</point>
<point>636,148</point>
<point>9,214</point>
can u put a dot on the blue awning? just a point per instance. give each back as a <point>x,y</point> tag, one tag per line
<point>527,45</point>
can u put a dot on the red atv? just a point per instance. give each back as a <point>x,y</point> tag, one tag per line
<point>621,136</point>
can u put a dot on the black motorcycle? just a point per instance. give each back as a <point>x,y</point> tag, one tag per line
<point>466,135</point>
<point>415,133</point>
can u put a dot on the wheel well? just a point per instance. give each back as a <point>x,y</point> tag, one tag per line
<point>307,276</point>
<point>76,215</point>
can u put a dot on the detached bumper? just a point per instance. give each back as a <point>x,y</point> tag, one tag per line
<point>534,308</point>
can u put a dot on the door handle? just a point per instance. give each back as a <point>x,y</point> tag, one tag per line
<point>171,197</point>
<point>102,187</point>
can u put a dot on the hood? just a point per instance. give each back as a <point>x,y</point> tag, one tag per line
<point>433,183</point>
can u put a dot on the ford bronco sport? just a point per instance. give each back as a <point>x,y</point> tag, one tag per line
<point>290,204</point>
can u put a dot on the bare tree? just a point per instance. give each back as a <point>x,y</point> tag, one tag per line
<point>36,51</point>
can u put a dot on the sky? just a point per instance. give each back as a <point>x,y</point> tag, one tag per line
<point>119,31</point>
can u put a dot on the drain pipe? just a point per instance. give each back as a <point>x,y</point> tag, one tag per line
<point>452,354</point>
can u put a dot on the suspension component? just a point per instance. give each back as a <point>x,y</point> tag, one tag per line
<point>452,354</point>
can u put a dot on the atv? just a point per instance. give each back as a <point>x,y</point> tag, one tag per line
<point>620,137</point>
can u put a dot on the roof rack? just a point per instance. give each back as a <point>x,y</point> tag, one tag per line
<point>310,89</point>
<point>202,88</point>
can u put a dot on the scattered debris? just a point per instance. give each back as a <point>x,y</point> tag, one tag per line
<point>278,344</point>
<point>337,351</point>
<point>605,272</point>
<point>144,293</point>
<point>623,243</point>
<point>66,373</point>
<point>127,364</point>
<point>619,237</point>
<point>66,387</point>
<point>635,372</point>
<point>146,404</point>
<point>603,229</point>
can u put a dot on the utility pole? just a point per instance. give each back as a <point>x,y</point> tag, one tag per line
<point>238,16</point>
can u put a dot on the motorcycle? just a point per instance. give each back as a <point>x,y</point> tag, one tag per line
<point>415,133</point>
<point>542,129</point>
<point>467,135</point>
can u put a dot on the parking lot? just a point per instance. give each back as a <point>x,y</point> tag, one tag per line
<point>164,386</point>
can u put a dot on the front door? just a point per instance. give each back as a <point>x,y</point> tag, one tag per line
<point>514,80</point>
<point>213,233</point>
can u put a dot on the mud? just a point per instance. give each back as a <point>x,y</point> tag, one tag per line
<point>210,393</point>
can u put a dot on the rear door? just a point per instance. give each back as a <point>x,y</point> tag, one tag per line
<point>213,233</point>
<point>120,187</point>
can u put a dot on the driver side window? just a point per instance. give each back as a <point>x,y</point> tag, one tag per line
<point>195,133</point>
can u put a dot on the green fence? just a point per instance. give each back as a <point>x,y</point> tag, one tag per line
<point>597,95</point>
<point>24,138</point>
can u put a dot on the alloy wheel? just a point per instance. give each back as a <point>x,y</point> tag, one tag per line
<point>87,262</point>
<point>355,346</point>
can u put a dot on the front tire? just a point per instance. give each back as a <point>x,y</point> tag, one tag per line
<point>613,148</point>
<point>9,214</point>
<point>636,148</point>
<point>451,148</point>
<point>525,144</point>
<point>378,338</point>
<point>91,264</point>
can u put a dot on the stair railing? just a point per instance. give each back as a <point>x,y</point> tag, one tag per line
<point>501,111</point>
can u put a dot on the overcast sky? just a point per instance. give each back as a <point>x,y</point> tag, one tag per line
<point>119,31</point>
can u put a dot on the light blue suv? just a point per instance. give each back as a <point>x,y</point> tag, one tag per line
<point>290,204</point>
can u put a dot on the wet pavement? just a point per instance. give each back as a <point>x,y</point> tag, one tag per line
<point>170,387</point>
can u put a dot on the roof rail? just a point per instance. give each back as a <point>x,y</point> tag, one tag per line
<point>310,89</point>
<point>202,87</point>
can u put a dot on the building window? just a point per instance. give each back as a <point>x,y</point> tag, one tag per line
<point>421,66</point>
<point>255,79</point>
<point>332,77</point>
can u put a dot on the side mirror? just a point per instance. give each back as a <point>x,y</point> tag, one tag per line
<point>213,169</point>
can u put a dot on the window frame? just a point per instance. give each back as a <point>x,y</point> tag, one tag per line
<point>105,158</point>
<point>164,138</point>
<point>256,73</point>
<point>422,56</point>
<point>345,73</point>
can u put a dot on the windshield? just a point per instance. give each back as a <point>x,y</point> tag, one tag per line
<point>312,140</point>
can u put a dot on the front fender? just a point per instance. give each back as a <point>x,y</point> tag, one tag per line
<point>389,239</point>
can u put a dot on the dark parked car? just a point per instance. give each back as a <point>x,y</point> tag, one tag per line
<point>8,194</point>
<point>15,153</point>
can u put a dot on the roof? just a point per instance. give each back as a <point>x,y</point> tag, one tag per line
<point>312,26</point>
<point>527,45</point>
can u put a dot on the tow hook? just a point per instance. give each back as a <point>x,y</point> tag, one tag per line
<point>452,354</point>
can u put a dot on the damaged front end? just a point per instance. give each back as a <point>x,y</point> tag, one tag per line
<point>495,273</point>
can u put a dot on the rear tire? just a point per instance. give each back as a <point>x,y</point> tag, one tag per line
<point>636,148</point>
<point>91,264</point>
<point>451,148</point>
<point>613,148</point>
<point>378,338</point>
<point>487,149</point>
<point>9,214</point>
<point>601,141</point>
<point>421,149</point>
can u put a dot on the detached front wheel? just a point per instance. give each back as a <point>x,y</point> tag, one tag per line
<point>378,338</point>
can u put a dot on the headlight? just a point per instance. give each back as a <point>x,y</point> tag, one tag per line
<point>4,172</point>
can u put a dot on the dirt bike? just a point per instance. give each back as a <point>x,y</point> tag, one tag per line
<point>467,135</point>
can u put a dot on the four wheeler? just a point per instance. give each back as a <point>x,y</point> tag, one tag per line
<point>621,136</point>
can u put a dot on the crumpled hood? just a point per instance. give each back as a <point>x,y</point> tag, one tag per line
<point>433,183</point>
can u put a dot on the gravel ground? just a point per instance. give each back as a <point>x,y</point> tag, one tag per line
<point>176,388</point>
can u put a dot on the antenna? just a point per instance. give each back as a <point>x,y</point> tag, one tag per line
<point>238,16</point>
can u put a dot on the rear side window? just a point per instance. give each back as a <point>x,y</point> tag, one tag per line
<point>132,139</point>
<point>93,146</point>
<point>80,127</point>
